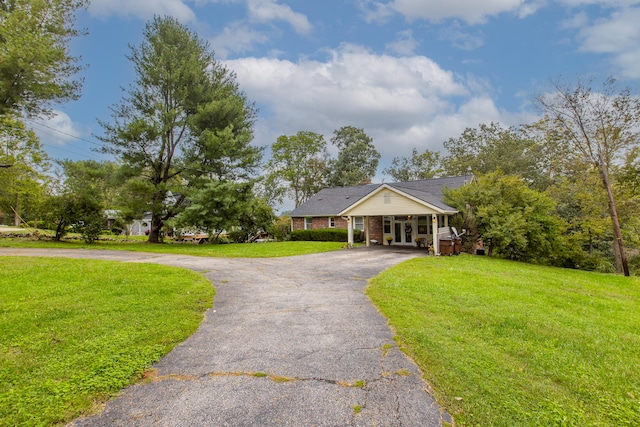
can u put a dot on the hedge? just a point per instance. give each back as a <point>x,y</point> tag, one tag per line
<point>325,235</point>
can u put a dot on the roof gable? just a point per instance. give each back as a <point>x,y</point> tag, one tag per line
<point>424,194</point>
<point>331,201</point>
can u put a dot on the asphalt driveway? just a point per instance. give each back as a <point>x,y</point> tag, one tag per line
<point>328,355</point>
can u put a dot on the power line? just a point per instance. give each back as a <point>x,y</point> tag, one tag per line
<point>64,133</point>
<point>55,147</point>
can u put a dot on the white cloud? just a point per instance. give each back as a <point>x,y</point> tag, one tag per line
<point>58,129</point>
<point>618,35</point>
<point>404,44</point>
<point>603,3</point>
<point>270,10</point>
<point>579,20</point>
<point>143,9</point>
<point>460,39</point>
<point>401,102</point>
<point>236,38</point>
<point>471,11</point>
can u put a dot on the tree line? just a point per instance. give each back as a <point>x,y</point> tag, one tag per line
<point>564,190</point>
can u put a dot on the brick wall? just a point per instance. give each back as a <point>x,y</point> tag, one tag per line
<point>375,224</point>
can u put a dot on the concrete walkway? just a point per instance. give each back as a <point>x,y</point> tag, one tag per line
<point>329,356</point>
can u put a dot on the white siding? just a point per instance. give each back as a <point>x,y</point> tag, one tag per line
<point>387,202</point>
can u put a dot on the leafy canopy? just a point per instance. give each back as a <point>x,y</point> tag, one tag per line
<point>297,167</point>
<point>357,160</point>
<point>35,66</point>
<point>184,124</point>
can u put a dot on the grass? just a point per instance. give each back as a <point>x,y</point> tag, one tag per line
<point>233,250</point>
<point>511,344</point>
<point>75,332</point>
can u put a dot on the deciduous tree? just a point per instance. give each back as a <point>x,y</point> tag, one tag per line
<point>36,68</point>
<point>357,160</point>
<point>512,219</point>
<point>297,167</point>
<point>23,180</point>
<point>492,147</point>
<point>425,165</point>
<point>598,128</point>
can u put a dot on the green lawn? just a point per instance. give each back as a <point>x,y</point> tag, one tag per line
<point>75,332</point>
<point>511,344</point>
<point>233,250</point>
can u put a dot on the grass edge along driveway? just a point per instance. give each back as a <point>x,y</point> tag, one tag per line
<point>510,344</point>
<point>75,332</point>
<point>231,250</point>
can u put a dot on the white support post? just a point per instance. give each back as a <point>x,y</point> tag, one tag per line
<point>367,235</point>
<point>350,231</point>
<point>434,229</point>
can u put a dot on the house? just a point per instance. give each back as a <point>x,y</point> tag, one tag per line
<point>403,212</point>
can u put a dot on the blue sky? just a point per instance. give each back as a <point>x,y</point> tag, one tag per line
<point>412,73</point>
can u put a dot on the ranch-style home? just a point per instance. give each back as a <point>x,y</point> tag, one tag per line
<point>402,213</point>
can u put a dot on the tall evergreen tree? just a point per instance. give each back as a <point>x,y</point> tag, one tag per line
<point>185,122</point>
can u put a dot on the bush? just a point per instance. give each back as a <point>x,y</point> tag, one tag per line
<point>281,229</point>
<point>238,236</point>
<point>634,264</point>
<point>324,235</point>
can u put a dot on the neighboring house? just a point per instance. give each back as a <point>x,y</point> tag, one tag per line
<point>402,212</point>
<point>138,227</point>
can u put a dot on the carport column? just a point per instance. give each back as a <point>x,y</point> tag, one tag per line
<point>368,236</point>
<point>350,231</point>
<point>434,230</point>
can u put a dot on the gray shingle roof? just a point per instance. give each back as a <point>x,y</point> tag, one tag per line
<point>331,201</point>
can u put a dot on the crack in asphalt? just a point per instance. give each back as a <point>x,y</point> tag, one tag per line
<point>303,321</point>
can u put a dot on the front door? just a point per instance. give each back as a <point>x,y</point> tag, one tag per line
<point>403,232</point>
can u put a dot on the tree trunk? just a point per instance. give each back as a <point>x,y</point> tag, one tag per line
<point>621,258</point>
<point>16,217</point>
<point>154,230</point>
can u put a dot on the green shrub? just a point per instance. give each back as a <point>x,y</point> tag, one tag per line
<point>324,235</point>
<point>238,236</point>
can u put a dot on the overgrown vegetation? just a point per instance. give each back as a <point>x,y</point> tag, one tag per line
<point>75,332</point>
<point>504,343</point>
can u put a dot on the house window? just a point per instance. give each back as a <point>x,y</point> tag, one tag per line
<point>387,198</point>
<point>332,222</point>
<point>308,223</point>
<point>387,225</point>
<point>423,225</point>
<point>358,223</point>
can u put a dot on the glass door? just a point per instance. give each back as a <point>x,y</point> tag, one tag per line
<point>403,232</point>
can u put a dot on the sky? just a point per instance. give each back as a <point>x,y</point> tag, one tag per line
<point>411,73</point>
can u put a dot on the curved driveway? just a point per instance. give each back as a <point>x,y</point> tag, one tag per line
<point>304,321</point>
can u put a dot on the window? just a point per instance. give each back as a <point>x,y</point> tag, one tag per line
<point>423,225</point>
<point>358,223</point>
<point>308,223</point>
<point>387,198</point>
<point>387,225</point>
<point>332,222</point>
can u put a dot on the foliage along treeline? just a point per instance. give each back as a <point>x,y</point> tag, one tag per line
<point>564,190</point>
<point>300,165</point>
